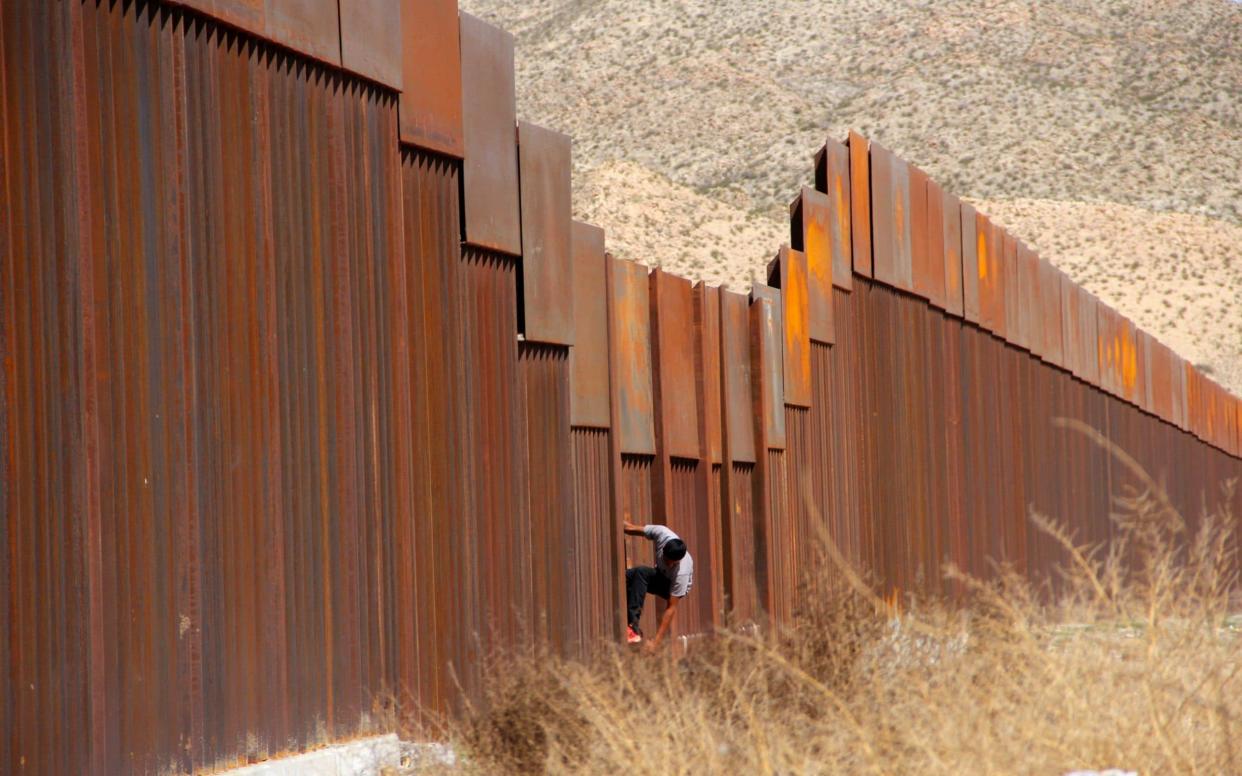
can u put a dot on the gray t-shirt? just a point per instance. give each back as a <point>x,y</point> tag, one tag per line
<point>679,572</point>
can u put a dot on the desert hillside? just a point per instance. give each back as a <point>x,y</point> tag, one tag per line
<point>1106,134</point>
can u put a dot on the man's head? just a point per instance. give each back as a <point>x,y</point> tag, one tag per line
<point>675,549</point>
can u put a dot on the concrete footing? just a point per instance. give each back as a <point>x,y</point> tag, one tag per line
<point>376,756</point>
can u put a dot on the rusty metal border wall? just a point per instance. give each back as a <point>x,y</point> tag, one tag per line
<point>314,397</point>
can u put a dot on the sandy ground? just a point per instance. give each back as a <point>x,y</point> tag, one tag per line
<point>1106,134</point>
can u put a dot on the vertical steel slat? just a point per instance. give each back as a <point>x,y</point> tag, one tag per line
<point>631,357</point>
<point>933,220</point>
<point>490,171</point>
<point>767,364</point>
<point>675,377</point>
<point>795,329</point>
<point>257,406</point>
<point>430,105</point>
<point>370,39</point>
<point>707,327</point>
<point>547,253</point>
<point>737,390</point>
<point>926,266</point>
<point>588,359</point>
<point>954,251</point>
<point>832,178</point>
<point>860,203</point>
<point>811,226</point>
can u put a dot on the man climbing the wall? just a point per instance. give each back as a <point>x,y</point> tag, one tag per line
<point>670,579</point>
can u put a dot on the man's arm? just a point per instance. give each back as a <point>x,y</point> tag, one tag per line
<point>666,621</point>
<point>632,529</point>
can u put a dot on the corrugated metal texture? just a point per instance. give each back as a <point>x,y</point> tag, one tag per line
<point>805,497</point>
<point>271,442</point>
<point>815,233</point>
<point>690,517</point>
<point>635,498</point>
<point>496,474</point>
<point>598,536</point>
<point>490,172</point>
<point>564,568</point>
<point>188,242</point>
<point>547,281</point>
<point>832,177</point>
<point>49,522</point>
<point>838,412</point>
<point>588,359</point>
<point>860,202</point>
<point>776,543</point>
<point>742,541</point>
<point>427,542</point>
<point>430,104</point>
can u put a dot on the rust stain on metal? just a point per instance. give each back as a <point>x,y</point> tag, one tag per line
<point>255,400</point>
<point>547,266</point>
<point>989,260</point>
<point>891,218</point>
<point>796,357</point>
<point>832,178</point>
<point>813,233</point>
<point>860,203</point>
<point>430,105</point>
<point>630,340</point>
<point>490,171</point>
<point>588,359</point>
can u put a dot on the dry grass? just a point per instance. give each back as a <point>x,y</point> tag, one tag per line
<point>1134,666</point>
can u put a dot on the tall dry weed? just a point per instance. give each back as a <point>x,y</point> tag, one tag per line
<point>1134,664</point>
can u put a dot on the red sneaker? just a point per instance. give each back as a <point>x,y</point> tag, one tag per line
<point>632,636</point>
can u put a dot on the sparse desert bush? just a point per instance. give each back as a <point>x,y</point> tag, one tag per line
<point>1136,664</point>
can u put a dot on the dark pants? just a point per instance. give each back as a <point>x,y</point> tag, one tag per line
<point>639,581</point>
